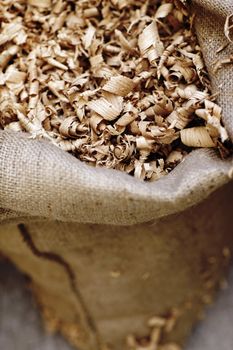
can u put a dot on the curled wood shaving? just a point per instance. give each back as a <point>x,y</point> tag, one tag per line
<point>164,10</point>
<point>196,137</point>
<point>180,117</point>
<point>119,83</point>
<point>40,3</point>
<point>106,109</point>
<point>228,28</point>
<point>149,42</point>
<point>7,55</point>
<point>174,157</point>
<point>158,327</point>
<point>168,51</point>
<point>220,63</point>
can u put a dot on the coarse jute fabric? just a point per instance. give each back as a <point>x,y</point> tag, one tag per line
<point>97,284</point>
<point>63,205</point>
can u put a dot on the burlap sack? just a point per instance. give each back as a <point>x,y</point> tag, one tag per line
<point>99,282</point>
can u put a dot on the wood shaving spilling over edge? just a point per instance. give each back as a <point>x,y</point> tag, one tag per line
<point>117,83</point>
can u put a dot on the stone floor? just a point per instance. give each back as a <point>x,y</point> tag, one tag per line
<point>21,327</point>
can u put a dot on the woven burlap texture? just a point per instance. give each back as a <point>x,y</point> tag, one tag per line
<point>37,180</point>
<point>119,278</point>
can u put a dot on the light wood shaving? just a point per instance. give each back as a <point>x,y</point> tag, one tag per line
<point>117,83</point>
<point>222,62</point>
<point>158,327</point>
<point>228,28</point>
<point>197,137</point>
<point>40,3</point>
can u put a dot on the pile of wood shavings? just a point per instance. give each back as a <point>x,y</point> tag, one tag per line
<point>118,83</point>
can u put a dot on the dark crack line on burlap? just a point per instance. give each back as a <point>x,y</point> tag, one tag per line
<point>71,276</point>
